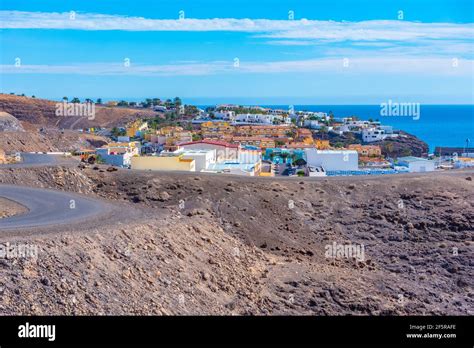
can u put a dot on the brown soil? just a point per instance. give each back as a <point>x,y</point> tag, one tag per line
<point>42,112</point>
<point>213,244</point>
<point>10,208</point>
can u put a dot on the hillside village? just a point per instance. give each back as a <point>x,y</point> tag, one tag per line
<point>255,141</point>
<point>228,139</point>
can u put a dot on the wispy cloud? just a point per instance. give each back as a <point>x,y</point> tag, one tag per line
<point>385,65</point>
<point>274,29</point>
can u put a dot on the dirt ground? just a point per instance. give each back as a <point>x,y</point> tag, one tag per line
<point>10,208</point>
<point>208,244</point>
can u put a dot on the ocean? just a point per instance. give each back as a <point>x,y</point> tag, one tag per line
<point>437,125</point>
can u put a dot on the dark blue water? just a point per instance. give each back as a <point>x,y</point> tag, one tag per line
<point>438,125</point>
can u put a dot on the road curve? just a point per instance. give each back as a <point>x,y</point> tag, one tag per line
<point>33,160</point>
<point>48,207</point>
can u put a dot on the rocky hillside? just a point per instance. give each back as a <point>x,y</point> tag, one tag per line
<point>8,123</point>
<point>48,140</point>
<point>42,113</point>
<point>234,245</point>
<point>404,145</point>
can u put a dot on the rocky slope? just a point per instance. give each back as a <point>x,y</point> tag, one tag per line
<point>404,145</point>
<point>234,245</point>
<point>42,112</point>
<point>8,123</point>
<point>48,140</point>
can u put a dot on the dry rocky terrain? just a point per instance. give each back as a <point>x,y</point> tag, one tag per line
<point>206,244</point>
<point>43,112</point>
<point>9,208</point>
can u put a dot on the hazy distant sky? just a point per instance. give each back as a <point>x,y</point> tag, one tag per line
<point>249,51</point>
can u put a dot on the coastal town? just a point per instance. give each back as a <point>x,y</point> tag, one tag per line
<point>257,141</point>
<point>243,172</point>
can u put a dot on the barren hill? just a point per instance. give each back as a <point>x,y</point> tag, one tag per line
<point>42,112</point>
<point>235,245</point>
<point>9,123</point>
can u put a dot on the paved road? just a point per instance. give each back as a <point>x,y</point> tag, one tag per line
<point>48,207</point>
<point>33,160</point>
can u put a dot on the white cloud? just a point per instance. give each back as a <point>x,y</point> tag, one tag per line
<point>386,65</point>
<point>274,29</point>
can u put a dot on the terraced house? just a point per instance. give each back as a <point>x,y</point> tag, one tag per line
<point>366,150</point>
<point>260,142</point>
<point>216,130</point>
<point>270,131</point>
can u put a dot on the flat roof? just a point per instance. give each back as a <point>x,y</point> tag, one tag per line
<point>412,159</point>
<point>333,151</point>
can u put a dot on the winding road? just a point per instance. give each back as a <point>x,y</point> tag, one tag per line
<point>33,160</point>
<point>49,207</point>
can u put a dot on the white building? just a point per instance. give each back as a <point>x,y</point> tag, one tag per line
<point>377,133</point>
<point>332,160</point>
<point>224,115</point>
<point>120,156</point>
<point>261,118</point>
<point>373,134</point>
<point>416,164</point>
<point>202,158</point>
<point>160,108</point>
<point>312,124</point>
<point>224,151</point>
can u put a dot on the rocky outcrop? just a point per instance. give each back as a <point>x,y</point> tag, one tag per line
<point>8,123</point>
<point>404,145</point>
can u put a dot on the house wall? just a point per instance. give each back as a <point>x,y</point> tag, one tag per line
<point>202,159</point>
<point>419,166</point>
<point>222,153</point>
<point>333,160</point>
<point>163,163</point>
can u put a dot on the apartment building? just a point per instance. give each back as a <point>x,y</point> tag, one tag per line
<point>269,131</point>
<point>366,150</point>
<point>260,142</point>
<point>216,130</point>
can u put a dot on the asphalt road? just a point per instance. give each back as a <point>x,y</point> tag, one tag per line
<point>33,160</point>
<point>48,207</point>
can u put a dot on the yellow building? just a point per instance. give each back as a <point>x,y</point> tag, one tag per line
<point>163,163</point>
<point>169,131</point>
<point>261,142</point>
<point>269,131</point>
<point>216,129</point>
<point>121,148</point>
<point>135,127</point>
<point>172,136</point>
<point>367,150</point>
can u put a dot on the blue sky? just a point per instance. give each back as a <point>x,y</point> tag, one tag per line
<point>332,52</point>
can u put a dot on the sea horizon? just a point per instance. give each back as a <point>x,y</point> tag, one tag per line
<point>439,125</point>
